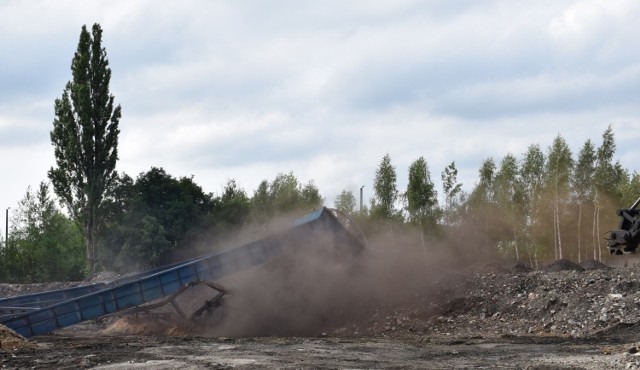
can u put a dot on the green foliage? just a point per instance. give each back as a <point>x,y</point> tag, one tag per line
<point>559,165</point>
<point>157,217</point>
<point>606,183</point>
<point>284,194</point>
<point>233,207</point>
<point>630,190</point>
<point>532,177</point>
<point>558,174</point>
<point>508,187</point>
<point>607,174</point>
<point>510,201</point>
<point>310,197</point>
<point>145,245</point>
<point>511,210</point>
<point>604,166</point>
<point>582,183</point>
<point>85,136</point>
<point>583,174</point>
<point>422,197</point>
<point>177,204</point>
<point>261,205</point>
<point>453,195</point>
<point>383,204</point>
<point>346,202</point>
<point>147,221</point>
<point>482,195</point>
<point>532,173</point>
<point>44,244</point>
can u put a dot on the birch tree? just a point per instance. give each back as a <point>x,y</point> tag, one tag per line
<point>583,185</point>
<point>533,180</point>
<point>559,166</point>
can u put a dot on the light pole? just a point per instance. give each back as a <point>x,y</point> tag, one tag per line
<point>361,210</point>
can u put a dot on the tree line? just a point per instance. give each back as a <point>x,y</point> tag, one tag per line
<point>545,204</point>
<point>148,222</point>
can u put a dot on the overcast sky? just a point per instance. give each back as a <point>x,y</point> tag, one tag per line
<point>247,89</point>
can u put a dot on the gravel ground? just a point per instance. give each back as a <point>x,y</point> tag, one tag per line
<point>563,316</point>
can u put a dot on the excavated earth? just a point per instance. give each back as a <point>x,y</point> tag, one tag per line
<point>562,316</point>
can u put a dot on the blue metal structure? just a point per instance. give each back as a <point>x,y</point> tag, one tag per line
<point>12,306</point>
<point>320,227</point>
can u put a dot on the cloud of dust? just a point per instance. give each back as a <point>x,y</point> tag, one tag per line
<point>218,238</point>
<point>312,287</point>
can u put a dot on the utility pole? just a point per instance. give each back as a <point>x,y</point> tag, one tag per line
<point>361,209</point>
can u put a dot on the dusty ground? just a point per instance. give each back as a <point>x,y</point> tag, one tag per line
<point>60,351</point>
<point>494,316</point>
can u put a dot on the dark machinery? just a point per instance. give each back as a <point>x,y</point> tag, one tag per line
<point>625,239</point>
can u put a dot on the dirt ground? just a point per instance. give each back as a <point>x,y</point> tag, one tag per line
<point>155,352</point>
<point>493,315</point>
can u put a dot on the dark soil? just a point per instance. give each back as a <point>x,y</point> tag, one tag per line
<point>562,265</point>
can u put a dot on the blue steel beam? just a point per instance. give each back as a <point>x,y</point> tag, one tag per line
<point>11,306</point>
<point>308,230</point>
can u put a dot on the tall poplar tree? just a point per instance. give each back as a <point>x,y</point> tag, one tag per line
<point>85,137</point>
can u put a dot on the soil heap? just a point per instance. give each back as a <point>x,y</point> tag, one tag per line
<point>10,340</point>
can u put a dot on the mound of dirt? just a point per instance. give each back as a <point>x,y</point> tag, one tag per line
<point>593,265</point>
<point>520,268</point>
<point>132,325</point>
<point>9,339</point>
<point>495,268</point>
<point>562,265</point>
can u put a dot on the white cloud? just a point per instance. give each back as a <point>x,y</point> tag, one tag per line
<point>580,22</point>
<point>240,89</point>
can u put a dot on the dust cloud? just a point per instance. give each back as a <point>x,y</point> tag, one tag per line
<point>312,287</point>
<point>315,286</point>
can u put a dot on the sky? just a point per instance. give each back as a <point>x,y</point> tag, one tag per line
<point>245,90</point>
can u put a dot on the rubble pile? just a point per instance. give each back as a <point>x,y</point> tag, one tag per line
<point>562,299</point>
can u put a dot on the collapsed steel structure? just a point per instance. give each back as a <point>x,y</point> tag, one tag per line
<point>44,312</point>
